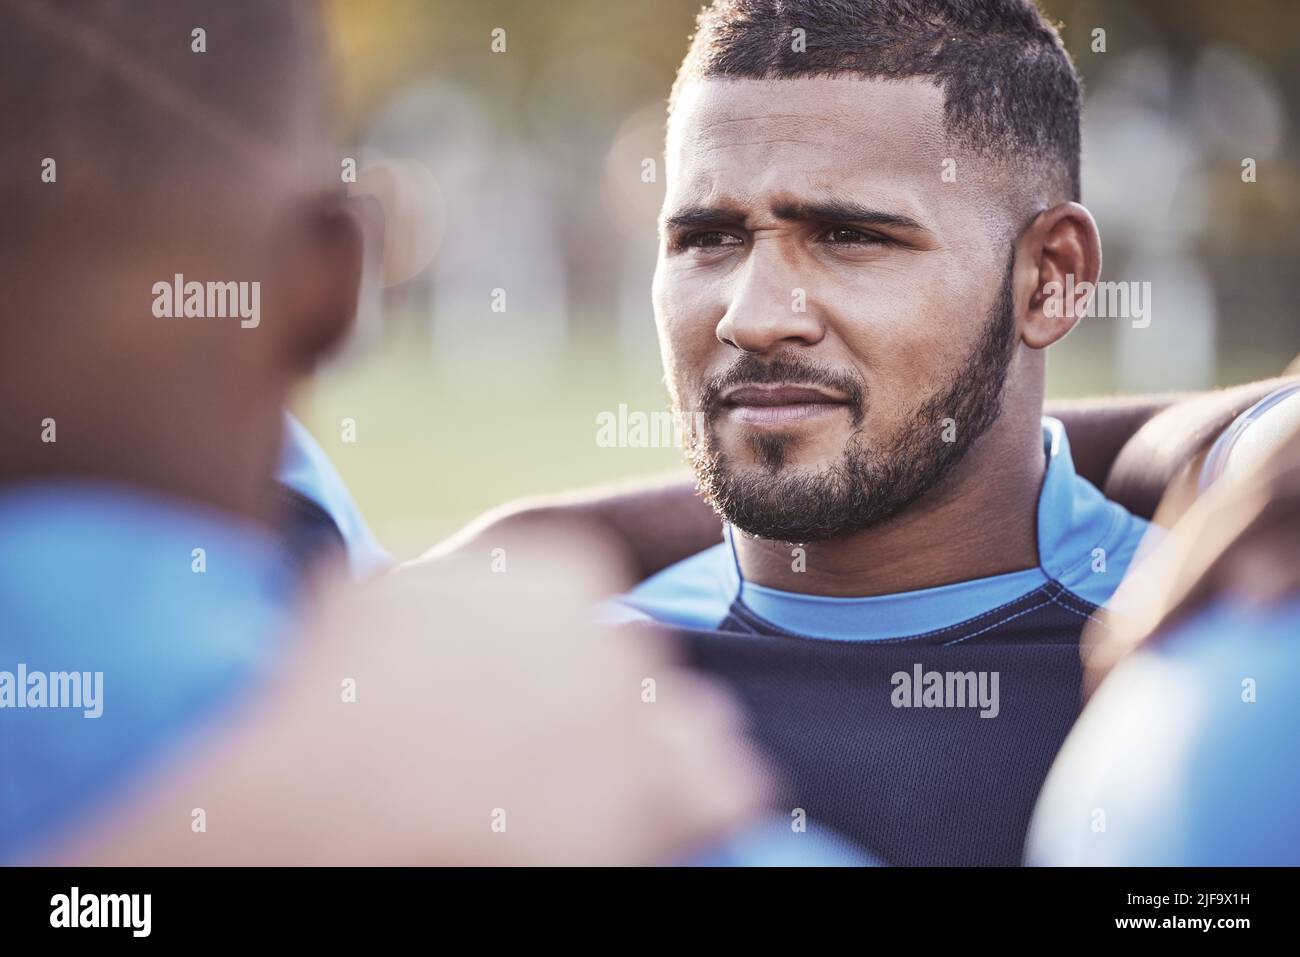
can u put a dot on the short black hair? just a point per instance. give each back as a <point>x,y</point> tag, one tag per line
<point>1010,88</point>
<point>115,93</point>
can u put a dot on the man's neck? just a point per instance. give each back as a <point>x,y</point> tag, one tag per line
<point>171,431</point>
<point>982,522</point>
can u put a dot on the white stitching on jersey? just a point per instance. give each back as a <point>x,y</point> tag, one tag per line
<point>1081,614</point>
<point>997,623</point>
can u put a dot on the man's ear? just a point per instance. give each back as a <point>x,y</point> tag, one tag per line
<point>1059,258</point>
<point>325,262</point>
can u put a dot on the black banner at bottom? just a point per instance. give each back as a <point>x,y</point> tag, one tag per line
<point>332,906</point>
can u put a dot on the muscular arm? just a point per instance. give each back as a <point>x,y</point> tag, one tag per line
<point>658,520</point>
<point>1098,428</point>
<point>1165,453</point>
<point>1132,447</point>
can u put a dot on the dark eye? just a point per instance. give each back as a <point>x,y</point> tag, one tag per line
<point>709,239</point>
<point>848,236</point>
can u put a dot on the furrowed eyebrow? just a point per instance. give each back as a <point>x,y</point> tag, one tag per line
<point>694,217</point>
<point>830,211</point>
<point>841,211</point>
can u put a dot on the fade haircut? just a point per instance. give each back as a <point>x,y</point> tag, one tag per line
<point>1010,90</point>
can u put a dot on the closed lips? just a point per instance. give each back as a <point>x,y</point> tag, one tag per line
<point>779,395</point>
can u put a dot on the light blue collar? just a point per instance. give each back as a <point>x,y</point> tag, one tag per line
<point>306,469</point>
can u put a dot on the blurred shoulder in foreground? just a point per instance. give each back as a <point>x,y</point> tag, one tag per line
<point>1184,755</point>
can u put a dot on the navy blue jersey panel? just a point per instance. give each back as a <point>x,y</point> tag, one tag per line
<point>913,785</point>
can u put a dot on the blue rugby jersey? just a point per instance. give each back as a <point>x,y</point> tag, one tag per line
<point>910,778</point>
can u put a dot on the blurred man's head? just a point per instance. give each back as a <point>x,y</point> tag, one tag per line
<point>146,139</point>
<point>864,201</point>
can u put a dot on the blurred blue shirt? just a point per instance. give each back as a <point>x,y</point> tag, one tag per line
<point>774,843</point>
<point>99,578</point>
<point>105,581</point>
<point>305,468</point>
<point>1186,755</point>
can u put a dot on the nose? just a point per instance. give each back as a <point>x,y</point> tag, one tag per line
<point>769,307</point>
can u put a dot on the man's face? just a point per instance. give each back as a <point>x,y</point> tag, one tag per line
<point>835,306</point>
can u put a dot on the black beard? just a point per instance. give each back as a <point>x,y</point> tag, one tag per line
<point>867,486</point>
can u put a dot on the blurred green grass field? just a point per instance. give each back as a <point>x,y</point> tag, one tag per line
<point>437,443</point>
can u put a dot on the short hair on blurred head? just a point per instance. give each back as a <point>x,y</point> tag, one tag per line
<point>134,116</point>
